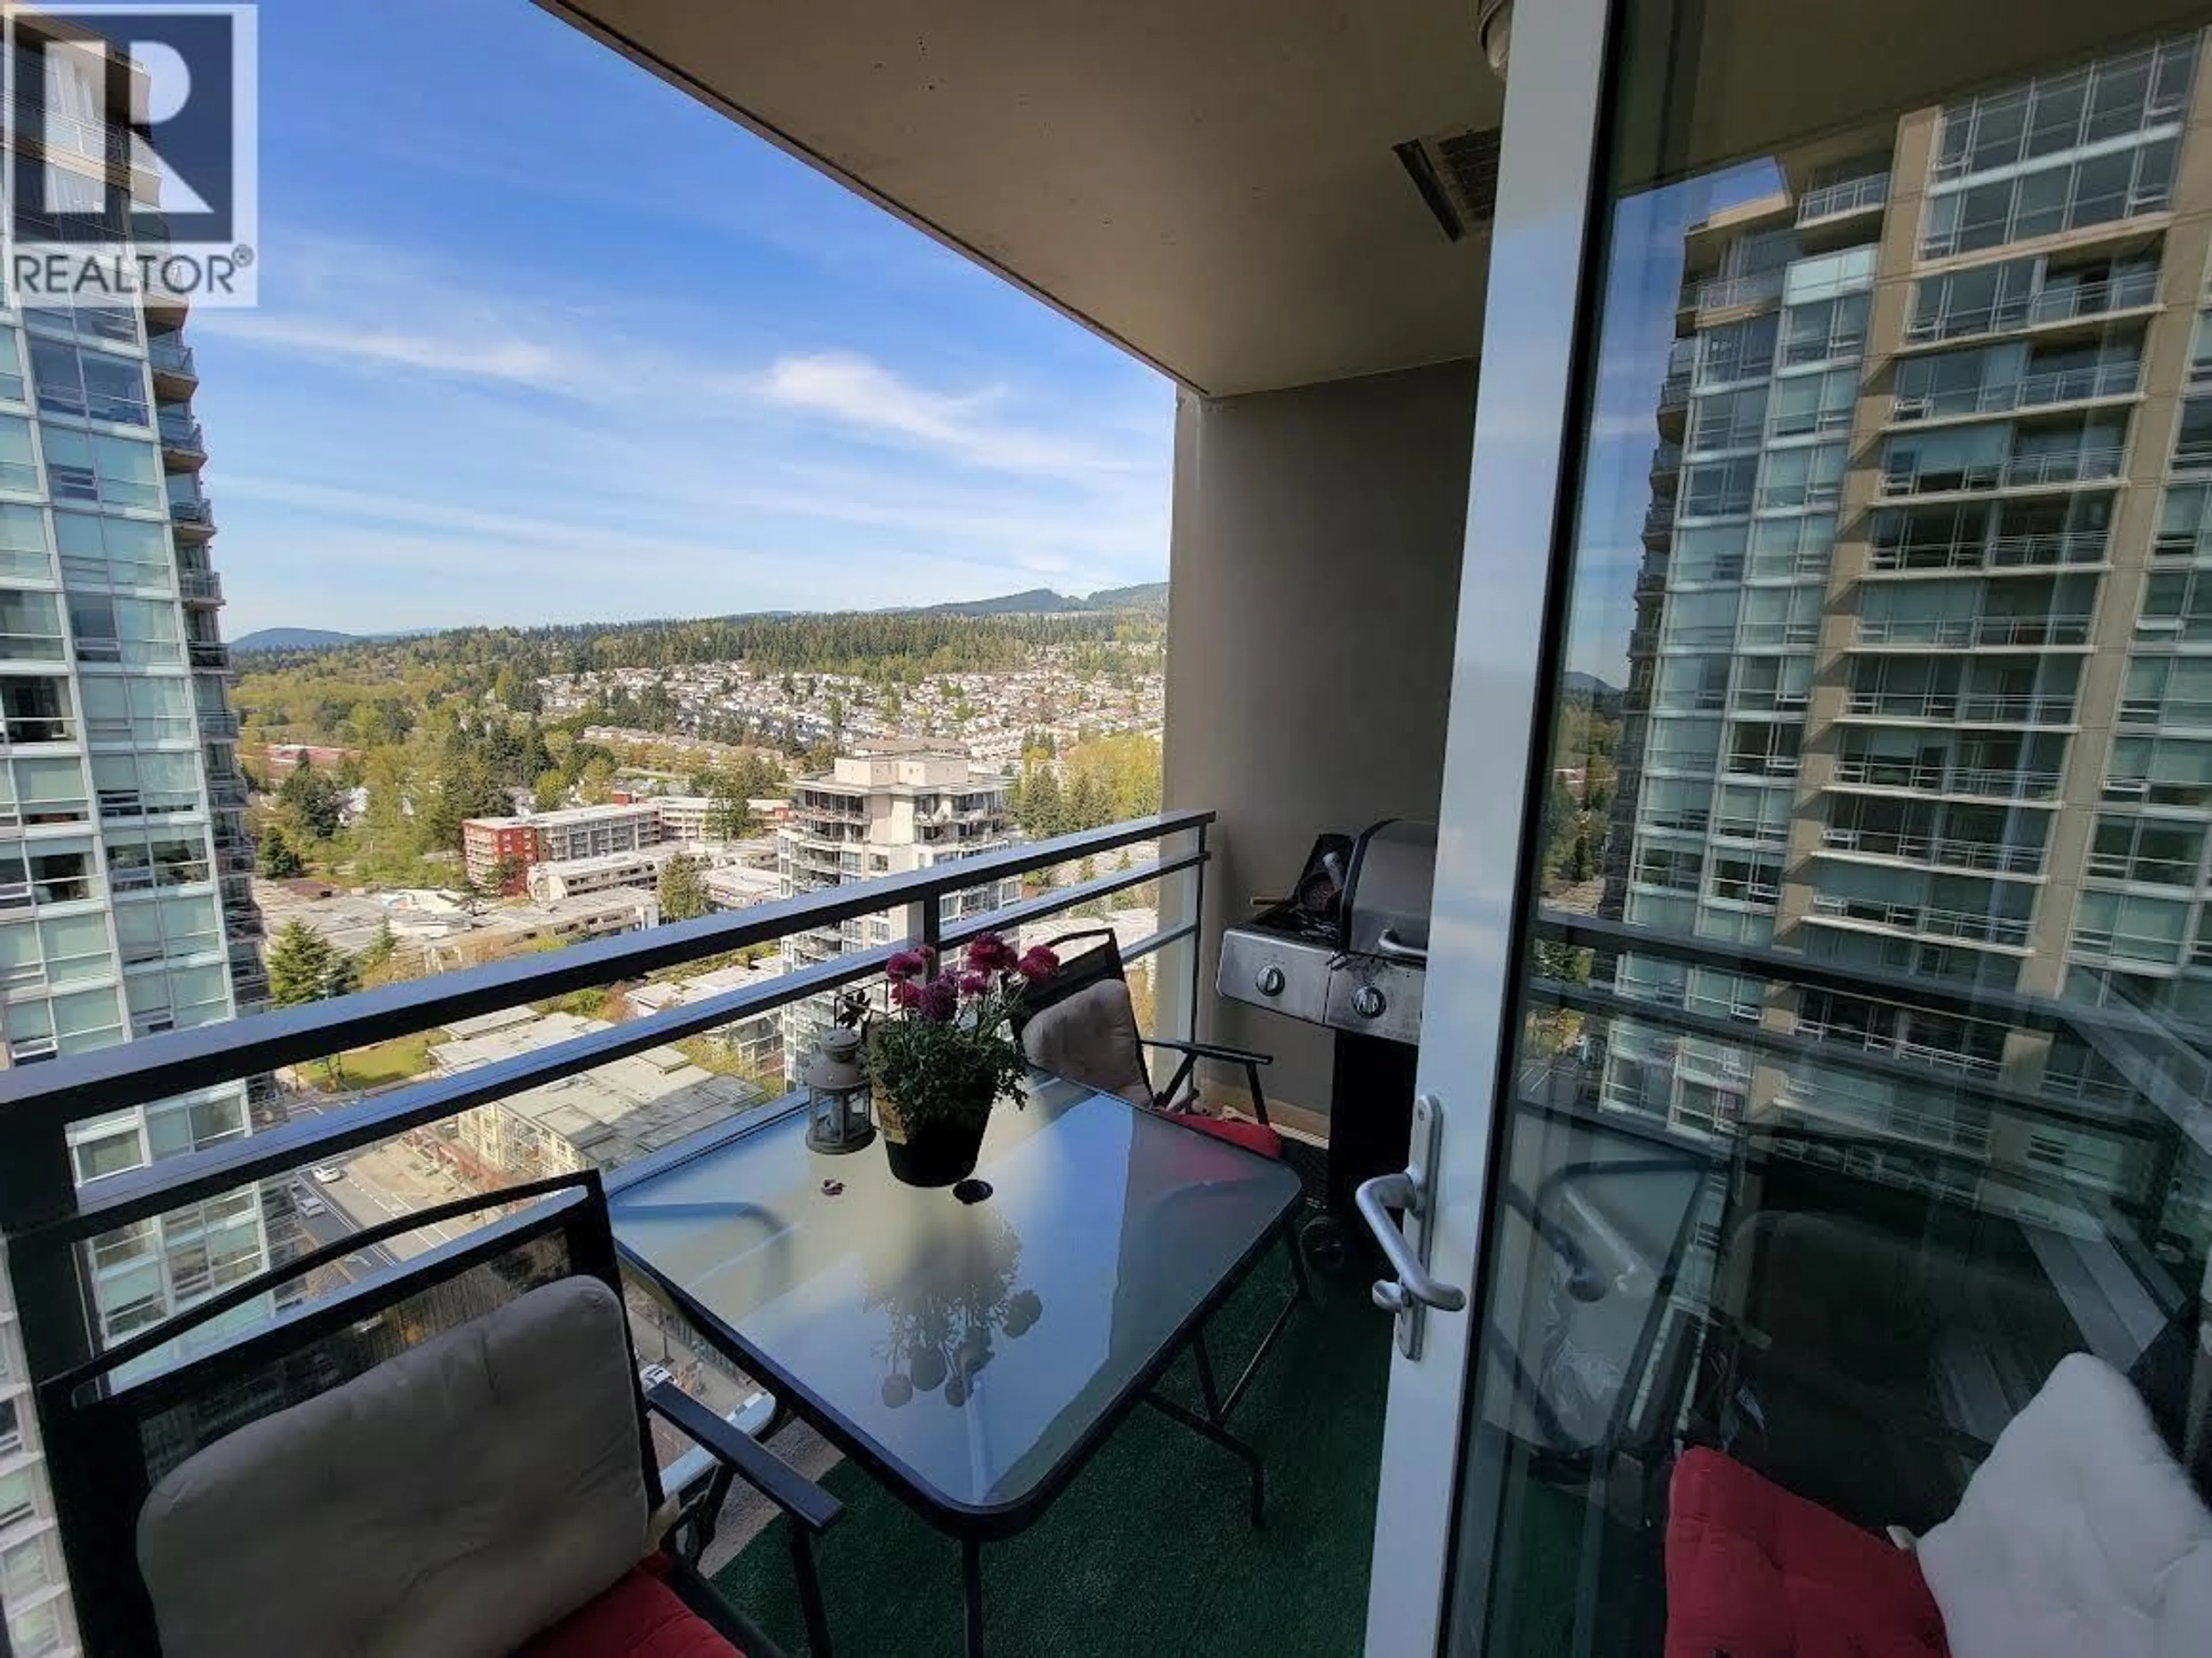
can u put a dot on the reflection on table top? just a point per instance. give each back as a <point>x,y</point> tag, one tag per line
<point>970,1348</point>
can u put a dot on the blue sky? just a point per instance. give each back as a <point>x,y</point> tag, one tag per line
<point>540,339</point>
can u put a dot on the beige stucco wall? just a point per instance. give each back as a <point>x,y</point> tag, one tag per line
<point>1314,569</point>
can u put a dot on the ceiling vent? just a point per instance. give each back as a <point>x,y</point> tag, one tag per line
<point>1457,174</point>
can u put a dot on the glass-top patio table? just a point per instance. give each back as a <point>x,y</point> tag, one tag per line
<point>971,1355</point>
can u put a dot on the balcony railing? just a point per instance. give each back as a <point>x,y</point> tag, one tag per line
<point>46,1217</point>
<point>1926,920</point>
<point>2110,379</point>
<point>1725,293</point>
<point>182,434</point>
<point>1949,851</point>
<point>2128,291</point>
<point>2025,632</point>
<point>204,654</point>
<point>1849,195</point>
<point>201,586</point>
<point>196,510</point>
<point>2037,549</point>
<point>2018,472</point>
<point>37,728</point>
<point>1999,709</point>
<point>1985,782</point>
<point>172,357</point>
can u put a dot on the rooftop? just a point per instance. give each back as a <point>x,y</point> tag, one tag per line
<point>613,1113</point>
<point>567,814</point>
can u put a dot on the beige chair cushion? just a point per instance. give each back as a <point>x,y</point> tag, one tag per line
<point>1091,1038</point>
<point>449,1503</point>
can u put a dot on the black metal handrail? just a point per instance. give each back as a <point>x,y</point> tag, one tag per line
<point>2165,1062</point>
<point>37,1193</point>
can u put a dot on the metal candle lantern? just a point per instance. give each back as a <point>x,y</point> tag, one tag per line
<point>838,1114</point>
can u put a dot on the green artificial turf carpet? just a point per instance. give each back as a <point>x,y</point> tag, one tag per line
<point>1150,1550</point>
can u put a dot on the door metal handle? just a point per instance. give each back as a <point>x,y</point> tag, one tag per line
<point>1375,1199</point>
<point>1415,1290</point>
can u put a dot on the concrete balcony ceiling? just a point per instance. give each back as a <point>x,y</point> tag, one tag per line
<point>1217,187</point>
<point>1214,187</point>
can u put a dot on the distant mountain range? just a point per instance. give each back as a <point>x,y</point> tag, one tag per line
<point>1036,601</point>
<point>1575,680</point>
<point>292,638</point>
<point>317,639</point>
<point>1043,601</point>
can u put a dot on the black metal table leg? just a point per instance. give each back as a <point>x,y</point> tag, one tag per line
<point>1228,1441</point>
<point>1301,1290</point>
<point>971,1593</point>
<point>1207,1390</point>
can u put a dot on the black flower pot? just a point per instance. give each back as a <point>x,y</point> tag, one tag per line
<point>941,1153</point>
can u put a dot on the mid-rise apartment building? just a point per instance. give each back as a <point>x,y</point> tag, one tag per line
<point>1921,673</point>
<point>550,883</point>
<point>883,810</point>
<point>499,850</point>
<point>125,904</point>
<point>506,847</point>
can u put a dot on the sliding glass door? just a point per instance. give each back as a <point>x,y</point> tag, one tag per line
<point>1819,1006</point>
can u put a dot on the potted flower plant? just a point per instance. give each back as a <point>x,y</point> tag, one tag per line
<point>947,1054</point>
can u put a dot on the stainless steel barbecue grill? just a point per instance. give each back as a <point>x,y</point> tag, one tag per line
<point>1347,948</point>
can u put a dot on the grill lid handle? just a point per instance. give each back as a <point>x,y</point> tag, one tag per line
<point>1387,942</point>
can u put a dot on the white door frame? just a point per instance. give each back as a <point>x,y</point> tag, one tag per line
<point>1501,684</point>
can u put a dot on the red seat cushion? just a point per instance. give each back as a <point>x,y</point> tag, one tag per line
<point>1252,1136</point>
<point>640,1617</point>
<point>1754,1571</point>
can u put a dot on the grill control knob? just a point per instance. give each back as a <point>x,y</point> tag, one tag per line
<point>1368,1002</point>
<point>1270,981</point>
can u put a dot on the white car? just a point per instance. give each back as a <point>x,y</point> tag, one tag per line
<point>750,1418</point>
<point>326,1175</point>
<point>652,1376</point>
<point>310,1206</point>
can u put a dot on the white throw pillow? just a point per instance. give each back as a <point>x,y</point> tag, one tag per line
<point>2079,1536</point>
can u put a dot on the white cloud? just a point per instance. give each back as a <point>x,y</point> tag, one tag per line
<point>420,444</point>
<point>858,392</point>
<point>522,363</point>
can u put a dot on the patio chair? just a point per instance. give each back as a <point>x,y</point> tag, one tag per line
<point>1079,1023</point>
<point>450,1456</point>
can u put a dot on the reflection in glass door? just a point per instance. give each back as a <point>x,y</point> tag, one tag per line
<point>1854,1128</point>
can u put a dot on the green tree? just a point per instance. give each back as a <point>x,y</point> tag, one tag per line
<point>305,967</point>
<point>595,783</point>
<point>683,889</point>
<point>278,860</point>
<point>1088,804</point>
<point>381,945</point>
<point>1038,806</point>
<point>314,801</point>
<point>551,792</point>
<point>729,817</point>
<point>1581,862</point>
